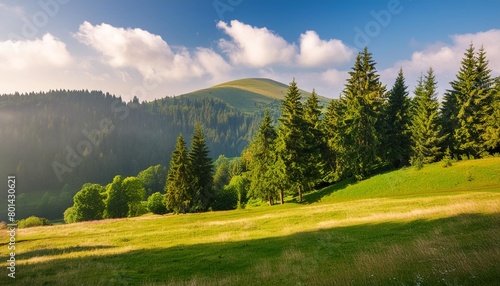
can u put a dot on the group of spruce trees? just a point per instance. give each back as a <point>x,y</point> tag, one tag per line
<point>190,177</point>
<point>369,129</point>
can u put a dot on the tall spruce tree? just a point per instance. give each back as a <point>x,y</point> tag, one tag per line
<point>398,141</point>
<point>264,179</point>
<point>334,152</point>
<point>291,141</point>
<point>314,140</point>
<point>426,131</point>
<point>364,97</point>
<point>178,195</point>
<point>469,91</point>
<point>202,187</point>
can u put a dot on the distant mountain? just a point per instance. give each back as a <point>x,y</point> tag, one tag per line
<point>248,95</point>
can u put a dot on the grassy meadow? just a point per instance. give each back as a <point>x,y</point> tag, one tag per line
<point>436,226</point>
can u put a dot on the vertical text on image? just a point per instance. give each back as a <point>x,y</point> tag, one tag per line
<point>11,226</point>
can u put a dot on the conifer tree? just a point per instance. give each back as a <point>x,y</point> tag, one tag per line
<point>314,140</point>
<point>178,195</point>
<point>291,141</point>
<point>468,105</point>
<point>364,96</point>
<point>264,180</point>
<point>426,131</point>
<point>201,167</point>
<point>334,152</point>
<point>398,141</point>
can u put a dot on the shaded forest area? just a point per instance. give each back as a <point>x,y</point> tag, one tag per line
<point>58,140</point>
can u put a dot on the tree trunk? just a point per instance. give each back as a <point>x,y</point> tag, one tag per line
<point>300,194</point>
<point>270,200</point>
<point>282,201</point>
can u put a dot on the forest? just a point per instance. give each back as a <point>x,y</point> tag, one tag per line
<point>369,129</point>
<point>58,140</point>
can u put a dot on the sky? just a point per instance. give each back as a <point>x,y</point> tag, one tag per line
<point>152,49</point>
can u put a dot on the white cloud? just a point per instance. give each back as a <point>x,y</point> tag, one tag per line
<point>254,47</point>
<point>149,54</point>
<point>445,59</point>
<point>334,77</point>
<point>315,52</point>
<point>45,52</point>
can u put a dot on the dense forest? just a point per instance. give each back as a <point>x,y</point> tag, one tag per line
<point>58,140</point>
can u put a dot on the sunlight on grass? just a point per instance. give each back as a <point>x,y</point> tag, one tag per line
<point>438,237</point>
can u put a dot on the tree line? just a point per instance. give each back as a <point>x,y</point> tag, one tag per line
<point>39,128</point>
<point>369,129</point>
<point>366,130</point>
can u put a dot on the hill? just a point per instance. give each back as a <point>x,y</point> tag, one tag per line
<point>91,136</point>
<point>434,226</point>
<point>249,95</point>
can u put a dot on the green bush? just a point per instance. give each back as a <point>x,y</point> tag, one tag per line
<point>138,208</point>
<point>33,221</point>
<point>156,203</point>
<point>70,215</point>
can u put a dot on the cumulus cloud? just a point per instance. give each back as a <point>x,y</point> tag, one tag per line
<point>254,47</point>
<point>26,54</point>
<point>445,58</point>
<point>317,52</point>
<point>149,54</point>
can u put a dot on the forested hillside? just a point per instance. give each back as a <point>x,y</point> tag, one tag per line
<point>67,138</point>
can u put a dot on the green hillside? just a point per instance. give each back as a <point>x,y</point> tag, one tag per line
<point>436,226</point>
<point>248,95</point>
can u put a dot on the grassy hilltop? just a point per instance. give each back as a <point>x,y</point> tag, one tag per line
<point>248,95</point>
<point>436,226</point>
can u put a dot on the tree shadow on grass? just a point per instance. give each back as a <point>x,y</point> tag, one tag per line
<point>59,251</point>
<point>376,254</point>
<point>316,196</point>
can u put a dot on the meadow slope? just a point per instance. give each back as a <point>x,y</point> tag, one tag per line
<point>436,226</point>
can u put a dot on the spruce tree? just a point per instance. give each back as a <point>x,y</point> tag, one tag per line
<point>178,195</point>
<point>291,141</point>
<point>466,93</point>
<point>264,180</point>
<point>314,140</point>
<point>426,131</point>
<point>201,167</point>
<point>398,141</point>
<point>364,97</point>
<point>334,152</point>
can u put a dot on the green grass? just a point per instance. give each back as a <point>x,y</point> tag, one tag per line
<point>248,95</point>
<point>392,229</point>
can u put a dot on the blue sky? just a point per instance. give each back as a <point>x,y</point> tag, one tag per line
<point>154,49</point>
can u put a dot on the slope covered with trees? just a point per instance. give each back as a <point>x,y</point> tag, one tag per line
<point>56,141</point>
